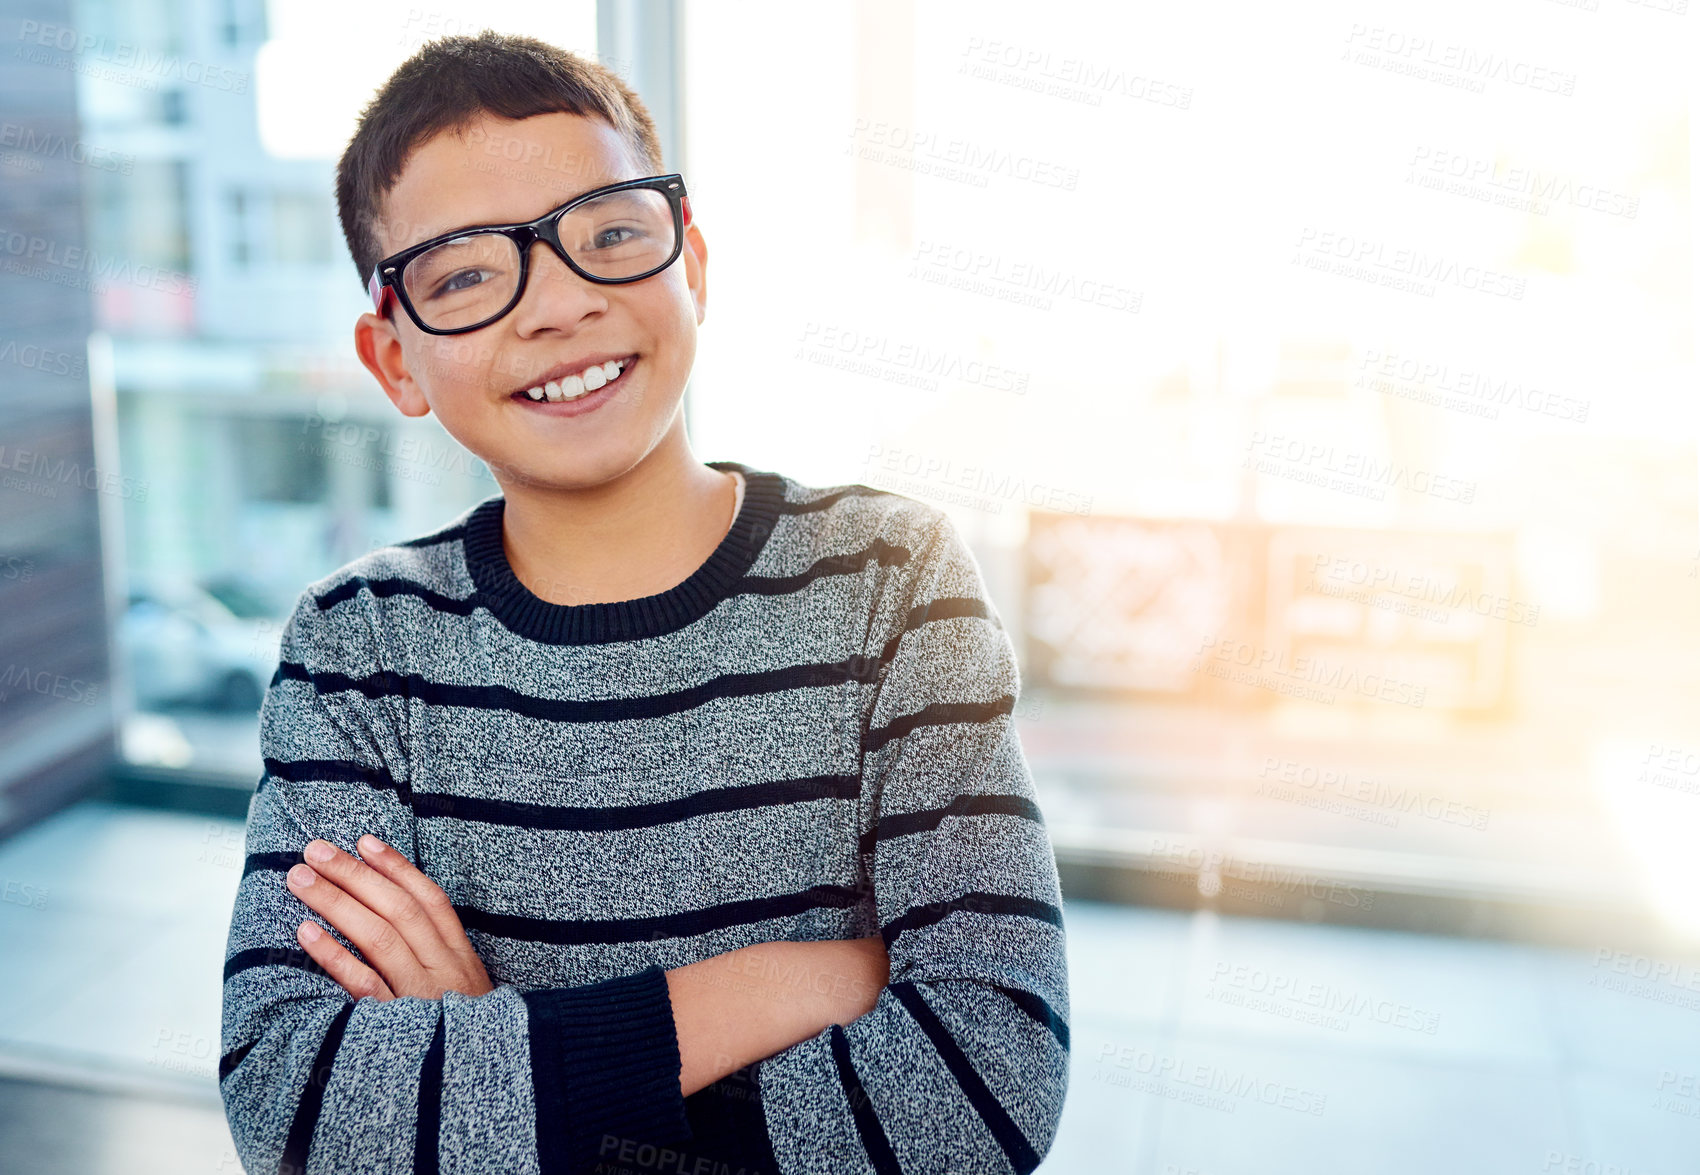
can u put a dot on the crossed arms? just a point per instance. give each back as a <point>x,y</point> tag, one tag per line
<point>729,1011</point>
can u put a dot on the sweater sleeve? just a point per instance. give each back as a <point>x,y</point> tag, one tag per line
<point>314,1081</point>
<point>962,1064</point>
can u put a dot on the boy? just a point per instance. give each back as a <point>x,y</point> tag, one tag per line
<point>651,815</point>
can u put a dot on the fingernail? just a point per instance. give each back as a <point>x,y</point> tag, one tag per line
<point>310,932</point>
<point>320,850</point>
<point>301,876</point>
<point>370,844</point>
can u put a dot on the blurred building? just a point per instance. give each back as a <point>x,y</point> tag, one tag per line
<point>264,453</point>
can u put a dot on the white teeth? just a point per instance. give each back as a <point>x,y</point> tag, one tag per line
<point>575,386</point>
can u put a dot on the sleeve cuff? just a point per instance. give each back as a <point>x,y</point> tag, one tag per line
<point>604,1066</point>
<point>729,1127</point>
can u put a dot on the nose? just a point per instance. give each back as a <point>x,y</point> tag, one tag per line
<point>555,297</point>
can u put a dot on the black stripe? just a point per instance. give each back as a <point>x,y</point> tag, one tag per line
<point>425,1138</point>
<point>682,924</point>
<point>943,608</point>
<point>908,823</point>
<point>264,862</point>
<point>878,552</point>
<point>270,957</point>
<point>868,1125</point>
<point>335,771</point>
<point>938,714</point>
<point>821,503</point>
<point>1015,1145</point>
<point>584,819</point>
<point>448,534</point>
<point>495,697</point>
<point>227,1063</point>
<point>978,902</point>
<point>374,685</point>
<point>300,1141</point>
<point>582,931</point>
<point>395,586</point>
<point>1036,1007</point>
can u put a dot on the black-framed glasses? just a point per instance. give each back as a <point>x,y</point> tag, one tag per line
<point>469,278</point>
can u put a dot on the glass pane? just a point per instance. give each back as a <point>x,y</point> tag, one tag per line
<point>622,234</point>
<point>463,281</point>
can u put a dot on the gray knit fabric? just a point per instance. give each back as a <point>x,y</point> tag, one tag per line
<point>591,806</point>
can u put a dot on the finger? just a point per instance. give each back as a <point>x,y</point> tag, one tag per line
<point>383,897</point>
<point>426,892</point>
<point>382,944</point>
<point>356,978</point>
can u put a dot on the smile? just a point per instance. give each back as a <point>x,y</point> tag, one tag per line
<point>580,384</point>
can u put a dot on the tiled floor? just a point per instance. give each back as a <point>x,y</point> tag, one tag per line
<point>1202,1045</point>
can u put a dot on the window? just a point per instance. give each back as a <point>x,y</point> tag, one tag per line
<point>242,22</point>
<point>281,228</point>
<point>1317,424</point>
<point>142,217</point>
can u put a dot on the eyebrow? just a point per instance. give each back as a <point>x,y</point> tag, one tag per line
<point>466,228</point>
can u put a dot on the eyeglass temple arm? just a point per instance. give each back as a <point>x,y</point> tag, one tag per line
<point>381,295</point>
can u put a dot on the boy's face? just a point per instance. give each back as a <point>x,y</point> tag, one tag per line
<point>499,172</point>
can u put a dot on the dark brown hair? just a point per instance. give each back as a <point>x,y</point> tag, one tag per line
<point>447,86</point>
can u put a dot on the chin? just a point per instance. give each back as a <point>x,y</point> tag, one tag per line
<point>576,471</point>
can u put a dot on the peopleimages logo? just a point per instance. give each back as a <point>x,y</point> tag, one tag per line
<point>1284,993</point>
<point>1073,78</point>
<point>48,683</point>
<point>1460,388</point>
<point>901,361</point>
<point>37,253</point>
<point>1449,62</point>
<point>954,157</point>
<point>1524,189</point>
<point>39,473</point>
<point>1021,282</point>
<point>1357,473</point>
<point>51,146</point>
<point>1314,786</point>
<point>40,358</point>
<point>1398,267</point>
<point>1310,677</point>
<point>82,46</point>
<point>919,471</point>
<point>1125,1064</point>
<point>1363,582</point>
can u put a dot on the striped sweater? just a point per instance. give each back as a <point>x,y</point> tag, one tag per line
<point>808,739</point>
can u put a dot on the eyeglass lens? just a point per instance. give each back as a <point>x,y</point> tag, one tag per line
<point>467,280</point>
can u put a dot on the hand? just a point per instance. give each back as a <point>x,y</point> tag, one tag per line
<point>404,925</point>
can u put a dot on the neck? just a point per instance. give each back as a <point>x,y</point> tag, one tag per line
<point>634,535</point>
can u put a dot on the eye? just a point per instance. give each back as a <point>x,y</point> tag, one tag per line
<point>608,238</point>
<point>453,284</point>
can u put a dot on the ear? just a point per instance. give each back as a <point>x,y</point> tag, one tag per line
<point>696,269</point>
<point>379,348</point>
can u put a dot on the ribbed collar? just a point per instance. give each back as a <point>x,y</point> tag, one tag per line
<point>511,602</point>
